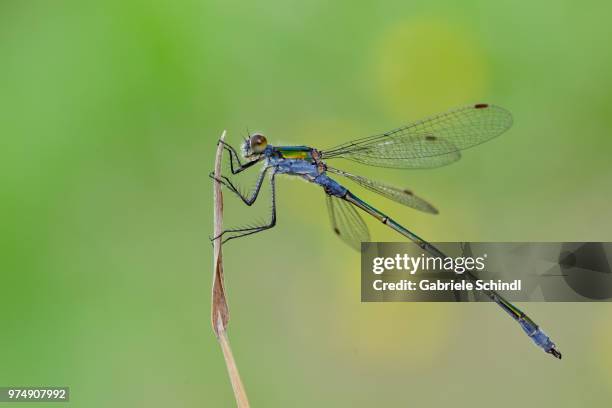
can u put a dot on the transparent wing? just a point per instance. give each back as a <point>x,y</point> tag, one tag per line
<point>405,197</point>
<point>428,143</point>
<point>347,223</point>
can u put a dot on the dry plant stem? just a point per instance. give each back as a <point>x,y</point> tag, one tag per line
<point>219,309</point>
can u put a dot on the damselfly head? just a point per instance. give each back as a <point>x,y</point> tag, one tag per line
<point>254,145</point>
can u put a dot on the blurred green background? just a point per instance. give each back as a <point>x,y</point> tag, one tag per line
<point>109,115</point>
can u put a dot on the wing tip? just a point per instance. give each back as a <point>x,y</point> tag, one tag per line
<point>499,109</point>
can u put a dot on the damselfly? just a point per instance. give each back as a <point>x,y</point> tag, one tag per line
<point>429,143</point>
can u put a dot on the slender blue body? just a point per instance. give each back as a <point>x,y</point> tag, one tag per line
<point>428,143</point>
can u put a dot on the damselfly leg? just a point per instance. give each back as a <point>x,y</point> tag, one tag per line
<point>233,155</point>
<point>250,200</point>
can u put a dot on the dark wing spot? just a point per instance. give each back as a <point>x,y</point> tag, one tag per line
<point>481,105</point>
<point>430,138</point>
<point>408,192</point>
<point>337,231</point>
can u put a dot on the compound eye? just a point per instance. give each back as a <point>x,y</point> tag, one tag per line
<point>258,143</point>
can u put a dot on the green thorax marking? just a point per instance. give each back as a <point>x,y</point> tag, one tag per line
<point>295,152</point>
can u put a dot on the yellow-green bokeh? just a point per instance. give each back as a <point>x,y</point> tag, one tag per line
<point>109,115</point>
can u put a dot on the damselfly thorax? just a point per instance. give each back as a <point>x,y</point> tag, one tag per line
<point>296,160</point>
<point>304,162</point>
